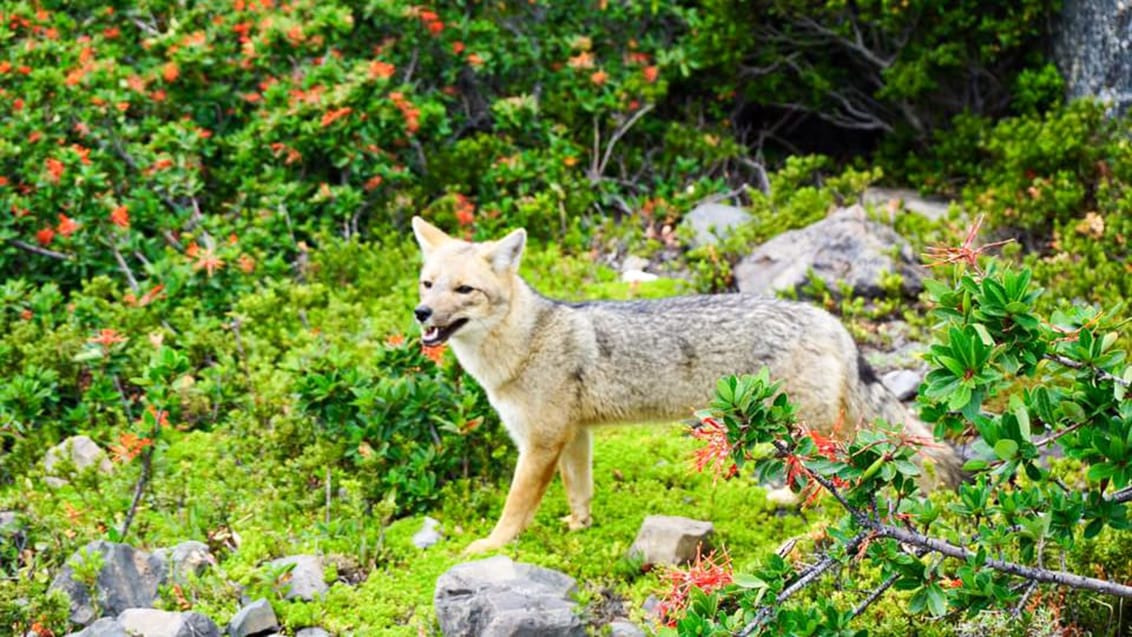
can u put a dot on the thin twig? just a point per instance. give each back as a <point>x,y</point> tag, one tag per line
<point>1102,374</point>
<point>875,595</point>
<point>597,171</point>
<point>125,267</point>
<point>27,247</point>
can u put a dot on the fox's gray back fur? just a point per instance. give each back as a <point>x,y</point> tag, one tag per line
<point>647,360</point>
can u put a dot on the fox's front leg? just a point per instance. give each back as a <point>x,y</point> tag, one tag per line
<point>532,474</point>
<point>576,466</point>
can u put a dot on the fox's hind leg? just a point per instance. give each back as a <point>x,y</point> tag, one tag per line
<point>576,467</point>
<point>533,473</point>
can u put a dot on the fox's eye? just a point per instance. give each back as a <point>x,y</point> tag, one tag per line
<point>426,284</point>
<point>465,289</point>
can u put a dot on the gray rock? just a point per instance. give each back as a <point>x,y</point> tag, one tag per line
<point>905,383</point>
<point>128,579</point>
<point>633,263</point>
<point>844,247</point>
<point>150,622</point>
<point>1092,46</point>
<point>498,597</point>
<point>625,628</point>
<point>313,632</point>
<point>9,521</point>
<point>185,559</point>
<point>892,199</point>
<point>670,539</point>
<point>711,222</point>
<point>253,619</point>
<point>305,581</point>
<point>105,627</point>
<point>81,451</point>
<point>428,535</point>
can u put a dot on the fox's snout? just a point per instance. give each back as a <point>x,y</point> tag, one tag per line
<point>422,312</point>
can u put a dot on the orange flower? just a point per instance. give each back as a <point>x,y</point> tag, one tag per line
<point>395,340</point>
<point>465,210</point>
<point>707,573</point>
<point>457,47</point>
<point>251,98</point>
<point>435,27</point>
<point>122,106</point>
<point>474,59</point>
<point>716,454</point>
<point>246,263</point>
<point>170,71</point>
<point>334,115</point>
<point>372,183</point>
<point>193,250</point>
<point>435,353</point>
<point>54,169</point>
<point>120,217</point>
<point>599,77</point>
<point>381,70</point>
<point>583,60</point>
<point>67,225</point>
<point>34,136</point>
<point>107,337</point>
<point>208,262</point>
<point>130,445</point>
<point>45,236</point>
<point>136,83</point>
<point>651,73</point>
<point>3,181</point>
<point>5,66</point>
<point>111,33</point>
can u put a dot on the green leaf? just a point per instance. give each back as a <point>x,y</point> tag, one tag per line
<point>1099,472</point>
<point>975,464</point>
<point>1023,416</point>
<point>1006,449</point>
<point>743,580</point>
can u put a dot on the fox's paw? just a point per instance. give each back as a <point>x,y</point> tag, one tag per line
<point>482,545</point>
<point>574,523</point>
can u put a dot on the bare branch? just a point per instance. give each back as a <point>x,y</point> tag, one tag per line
<point>596,172</point>
<point>27,247</point>
<point>1072,364</point>
<point>875,595</point>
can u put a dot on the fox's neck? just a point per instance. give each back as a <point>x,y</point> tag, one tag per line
<point>498,356</point>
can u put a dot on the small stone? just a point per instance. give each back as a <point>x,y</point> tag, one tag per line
<point>638,276</point>
<point>711,222</point>
<point>904,383</point>
<point>428,535</point>
<point>624,628</point>
<point>313,632</point>
<point>633,262</point>
<point>82,453</point>
<point>9,521</point>
<point>149,622</point>
<point>105,627</point>
<point>305,580</point>
<point>185,559</point>
<point>669,539</point>
<point>253,619</point>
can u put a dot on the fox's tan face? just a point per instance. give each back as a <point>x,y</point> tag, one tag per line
<point>465,288</point>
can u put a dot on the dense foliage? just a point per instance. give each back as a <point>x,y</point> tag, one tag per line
<point>204,266</point>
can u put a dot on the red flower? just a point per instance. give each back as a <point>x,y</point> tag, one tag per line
<point>45,236</point>
<point>716,453</point>
<point>120,217</point>
<point>334,115</point>
<point>372,183</point>
<point>381,70</point>
<point>67,225</point>
<point>651,73</point>
<point>107,337</point>
<point>704,573</point>
<point>435,353</point>
<point>599,77</point>
<point>170,71</point>
<point>55,169</point>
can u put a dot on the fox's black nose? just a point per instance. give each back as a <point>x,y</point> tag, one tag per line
<point>423,312</point>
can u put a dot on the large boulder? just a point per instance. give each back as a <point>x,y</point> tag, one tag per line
<point>1092,45</point>
<point>845,247</point>
<point>497,597</point>
<point>105,627</point>
<point>671,539</point>
<point>127,579</point>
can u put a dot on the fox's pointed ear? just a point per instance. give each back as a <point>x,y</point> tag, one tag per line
<point>428,236</point>
<point>505,253</point>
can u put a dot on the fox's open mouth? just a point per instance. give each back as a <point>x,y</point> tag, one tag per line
<point>437,334</point>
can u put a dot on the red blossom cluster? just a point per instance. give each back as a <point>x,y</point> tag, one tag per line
<point>707,573</point>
